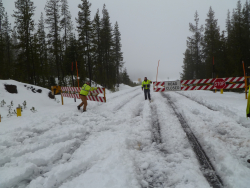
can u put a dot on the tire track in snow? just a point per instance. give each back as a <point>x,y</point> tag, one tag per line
<point>123,94</point>
<point>148,175</point>
<point>156,129</point>
<point>115,97</point>
<point>206,167</point>
<point>125,102</point>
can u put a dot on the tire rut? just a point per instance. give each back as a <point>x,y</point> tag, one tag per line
<point>206,166</point>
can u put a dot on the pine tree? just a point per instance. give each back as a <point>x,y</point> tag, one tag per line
<point>236,41</point>
<point>7,50</point>
<point>42,52</point>
<point>211,43</point>
<point>24,25</point>
<point>246,35</point>
<point>52,9</point>
<point>194,46</point>
<point>15,52</point>
<point>2,10</point>
<point>2,70</point>
<point>117,51</point>
<point>228,24</point>
<point>66,23</point>
<point>188,66</point>
<point>71,54</point>
<point>97,49</point>
<point>84,29</point>
<point>107,47</point>
<point>125,77</point>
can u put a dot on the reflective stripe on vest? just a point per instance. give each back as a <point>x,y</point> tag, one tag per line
<point>84,88</point>
<point>146,84</point>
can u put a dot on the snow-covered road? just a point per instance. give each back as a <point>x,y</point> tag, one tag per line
<point>126,142</point>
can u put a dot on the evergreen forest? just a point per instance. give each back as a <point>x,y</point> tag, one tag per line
<point>45,53</point>
<point>212,53</point>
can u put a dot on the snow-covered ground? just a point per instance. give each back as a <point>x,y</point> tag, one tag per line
<point>114,144</point>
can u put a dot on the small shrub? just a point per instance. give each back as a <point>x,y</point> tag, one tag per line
<point>33,110</point>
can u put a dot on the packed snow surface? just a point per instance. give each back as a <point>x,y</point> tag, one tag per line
<point>113,144</point>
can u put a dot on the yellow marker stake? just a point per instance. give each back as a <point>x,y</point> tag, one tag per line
<point>18,112</point>
<point>221,91</point>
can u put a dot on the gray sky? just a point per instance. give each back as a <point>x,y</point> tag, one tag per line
<point>150,30</point>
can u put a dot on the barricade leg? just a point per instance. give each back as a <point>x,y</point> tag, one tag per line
<point>104,94</point>
<point>221,91</point>
<point>62,98</point>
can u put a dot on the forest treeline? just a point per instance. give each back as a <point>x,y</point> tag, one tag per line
<point>42,53</point>
<point>226,49</point>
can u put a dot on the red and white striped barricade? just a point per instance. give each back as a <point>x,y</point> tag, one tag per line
<point>203,84</point>
<point>74,92</point>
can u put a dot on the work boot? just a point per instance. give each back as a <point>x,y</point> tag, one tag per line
<point>78,107</point>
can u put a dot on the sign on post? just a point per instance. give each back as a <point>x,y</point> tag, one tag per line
<point>173,85</point>
<point>219,83</point>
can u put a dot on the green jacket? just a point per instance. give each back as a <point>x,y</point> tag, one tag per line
<point>146,85</point>
<point>248,104</point>
<point>86,88</point>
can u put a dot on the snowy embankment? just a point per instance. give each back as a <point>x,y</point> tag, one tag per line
<point>126,142</point>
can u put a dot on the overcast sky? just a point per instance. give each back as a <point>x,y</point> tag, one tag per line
<point>150,30</point>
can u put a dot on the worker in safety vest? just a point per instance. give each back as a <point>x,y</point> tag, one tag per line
<point>248,110</point>
<point>83,95</point>
<point>146,85</point>
<point>248,105</point>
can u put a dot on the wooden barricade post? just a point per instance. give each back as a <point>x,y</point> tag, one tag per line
<point>104,94</point>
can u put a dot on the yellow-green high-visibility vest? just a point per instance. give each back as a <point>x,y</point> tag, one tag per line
<point>248,104</point>
<point>146,84</point>
<point>86,88</point>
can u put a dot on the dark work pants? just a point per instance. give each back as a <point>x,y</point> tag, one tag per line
<point>147,93</point>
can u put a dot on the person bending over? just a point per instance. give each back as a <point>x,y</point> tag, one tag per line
<point>86,88</point>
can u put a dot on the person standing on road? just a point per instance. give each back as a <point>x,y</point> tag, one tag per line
<point>83,95</point>
<point>146,85</point>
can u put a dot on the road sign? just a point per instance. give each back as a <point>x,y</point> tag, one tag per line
<point>173,85</point>
<point>219,83</point>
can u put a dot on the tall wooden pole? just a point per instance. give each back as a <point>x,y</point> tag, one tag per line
<point>157,70</point>
<point>77,74</point>
<point>72,68</point>
<point>213,74</point>
<point>157,73</point>
<point>245,78</point>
